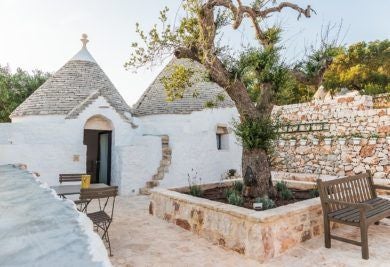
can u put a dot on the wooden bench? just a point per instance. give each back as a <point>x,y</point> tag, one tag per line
<point>352,201</point>
<point>70,177</point>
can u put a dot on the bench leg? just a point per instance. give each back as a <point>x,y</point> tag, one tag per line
<point>364,240</point>
<point>327,232</point>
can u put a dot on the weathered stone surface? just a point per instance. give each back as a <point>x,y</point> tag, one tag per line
<point>259,235</point>
<point>343,117</point>
<point>183,224</point>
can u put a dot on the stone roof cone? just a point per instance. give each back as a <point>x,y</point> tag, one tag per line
<point>72,88</point>
<point>153,101</point>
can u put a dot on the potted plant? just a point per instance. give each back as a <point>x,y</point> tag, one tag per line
<point>356,138</point>
<point>373,138</point>
<point>293,141</point>
<point>328,140</point>
<point>342,140</point>
<point>303,141</point>
<point>315,140</point>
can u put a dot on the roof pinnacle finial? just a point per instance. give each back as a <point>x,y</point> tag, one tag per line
<point>84,39</point>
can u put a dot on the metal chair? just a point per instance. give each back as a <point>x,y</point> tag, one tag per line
<point>101,219</point>
<point>73,177</point>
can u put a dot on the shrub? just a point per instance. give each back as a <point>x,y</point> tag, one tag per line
<point>314,193</point>
<point>228,192</point>
<point>283,190</point>
<point>194,183</point>
<point>238,186</point>
<point>196,190</point>
<point>232,172</point>
<point>235,198</point>
<point>286,194</point>
<point>281,186</point>
<point>267,203</point>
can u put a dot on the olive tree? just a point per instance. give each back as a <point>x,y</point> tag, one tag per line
<point>197,37</point>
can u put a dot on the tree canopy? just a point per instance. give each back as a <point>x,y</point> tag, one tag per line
<point>361,66</point>
<point>16,87</point>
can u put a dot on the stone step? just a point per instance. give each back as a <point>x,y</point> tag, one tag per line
<point>163,169</point>
<point>158,176</point>
<point>166,151</point>
<point>165,162</point>
<point>168,157</point>
<point>165,139</point>
<point>152,183</point>
<point>144,191</point>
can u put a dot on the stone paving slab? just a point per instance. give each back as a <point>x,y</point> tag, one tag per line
<point>139,239</point>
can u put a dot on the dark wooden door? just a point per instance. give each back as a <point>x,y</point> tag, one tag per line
<point>98,163</point>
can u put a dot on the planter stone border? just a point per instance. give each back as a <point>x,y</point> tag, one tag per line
<point>260,235</point>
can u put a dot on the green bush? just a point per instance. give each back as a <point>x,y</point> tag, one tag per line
<point>235,198</point>
<point>267,203</point>
<point>196,190</point>
<point>286,194</point>
<point>228,192</point>
<point>238,186</point>
<point>281,186</point>
<point>283,190</point>
<point>314,193</point>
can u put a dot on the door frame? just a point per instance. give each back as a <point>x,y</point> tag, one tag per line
<point>108,157</point>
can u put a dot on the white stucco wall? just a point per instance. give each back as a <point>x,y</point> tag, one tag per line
<point>192,138</point>
<point>138,162</point>
<point>48,143</point>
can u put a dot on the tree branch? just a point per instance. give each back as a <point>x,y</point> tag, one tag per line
<point>255,14</point>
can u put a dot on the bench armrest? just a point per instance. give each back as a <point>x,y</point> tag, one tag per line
<point>382,186</point>
<point>361,206</point>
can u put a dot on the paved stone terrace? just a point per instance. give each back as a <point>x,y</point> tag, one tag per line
<point>139,239</point>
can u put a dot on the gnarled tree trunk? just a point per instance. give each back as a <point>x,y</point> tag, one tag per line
<point>256,173</point>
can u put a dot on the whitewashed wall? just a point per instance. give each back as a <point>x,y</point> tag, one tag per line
<point>48,143</point>
<point>137,163</point>
<point>192,138</point>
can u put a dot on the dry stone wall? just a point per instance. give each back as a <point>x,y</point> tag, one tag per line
<point>341,136</point>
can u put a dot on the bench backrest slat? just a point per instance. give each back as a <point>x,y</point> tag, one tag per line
<point>70,177</point>
<point>354,189</point>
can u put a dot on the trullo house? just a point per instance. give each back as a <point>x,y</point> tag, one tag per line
<point>77,122</point>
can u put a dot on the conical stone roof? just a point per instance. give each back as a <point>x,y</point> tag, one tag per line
<point>154,100</point>
<point>72,88</point>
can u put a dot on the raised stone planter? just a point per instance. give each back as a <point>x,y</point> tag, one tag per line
<point>260,235</point>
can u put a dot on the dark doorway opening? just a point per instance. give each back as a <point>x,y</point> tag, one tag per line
<point>98,144</point>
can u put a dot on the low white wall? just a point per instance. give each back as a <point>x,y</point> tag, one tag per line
<point>137,163</point>
<point>192,138</point>
<point>48,160</point>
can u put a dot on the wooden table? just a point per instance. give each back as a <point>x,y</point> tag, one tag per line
<point>74,189</point>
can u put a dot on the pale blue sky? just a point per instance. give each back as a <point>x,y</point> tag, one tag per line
<point>44,34</point>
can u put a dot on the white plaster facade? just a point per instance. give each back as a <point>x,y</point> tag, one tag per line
<point>51,144</point>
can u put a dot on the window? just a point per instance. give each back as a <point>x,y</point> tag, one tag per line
<point>222,136</point>
<point>219,141</point>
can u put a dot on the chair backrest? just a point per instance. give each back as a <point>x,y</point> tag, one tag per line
<point>70,177</point>
<point>105,193</point>
<point>353,189</point>
<point>96,193</point>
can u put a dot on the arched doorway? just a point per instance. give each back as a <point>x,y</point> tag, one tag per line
<point>98,139</point>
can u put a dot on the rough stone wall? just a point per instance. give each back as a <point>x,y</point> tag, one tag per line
<point>343,117</point>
